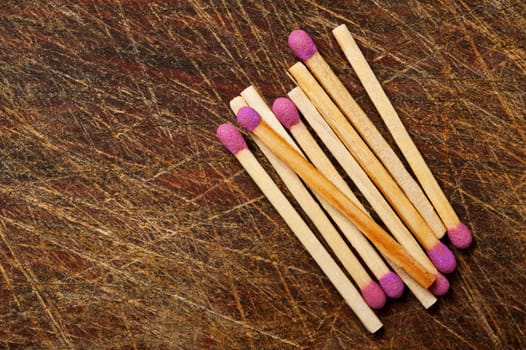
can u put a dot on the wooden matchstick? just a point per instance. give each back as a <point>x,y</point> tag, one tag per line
<point>287,113</point>
<point>234,142</point>
<point>250,120</point>
<point>458,233</point>
<point>390,282</point>
<point>370,290</point>
<point>371,194</point>
<point>439,253</point>
<point>305,49</point>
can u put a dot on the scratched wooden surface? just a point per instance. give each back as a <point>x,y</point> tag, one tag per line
<point>124,224</point>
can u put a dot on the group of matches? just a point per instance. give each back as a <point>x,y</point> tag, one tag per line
<point>417,214</point>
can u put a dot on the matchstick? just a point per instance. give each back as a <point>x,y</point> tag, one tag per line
<point>439,253</point>
<point>250,120</point>
<point>458,233</point>
<point>370,290</point>
<point>287,113</point>
<point>390,282</point>
<point>371,194</point>
<point>234,142</point>
<point>304,48</point>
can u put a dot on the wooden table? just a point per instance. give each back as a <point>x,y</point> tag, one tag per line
<point>125,224</point>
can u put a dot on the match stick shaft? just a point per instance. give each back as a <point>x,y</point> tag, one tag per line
<point>360,178</point>
<point>309,205</point>
<point>383,242</point>
<point>394,124</point>
<point>324,165</point>
<point>362,246</point>
<point>372,195</point>
<point>376,171</point>
<point>316,155</point>
<point>309,241</point>
<point>334,87</point>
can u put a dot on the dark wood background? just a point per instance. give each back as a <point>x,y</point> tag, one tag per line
<point>125,224</point>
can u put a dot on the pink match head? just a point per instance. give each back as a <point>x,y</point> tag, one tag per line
<point>231,138</point>
<point>286,112</point>
<point>248,118</point>
<point>460,236</point>
<point>301,44</point>
<point>440,286</point>
<point>392,285</point>
<point>374,295</point>
<point>442,258</point>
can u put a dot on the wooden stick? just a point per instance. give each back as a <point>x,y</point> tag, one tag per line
<point>390,282</point>
<point>372,293</point>
<point>233,140</point>
<point>440,255</point>
<point>251,121</point>
<point>307,142</point>
<point>461,239</point>
<point>287,113</point>
<point>325,75</point>
<point>370,192</point>
<point>282,109</point>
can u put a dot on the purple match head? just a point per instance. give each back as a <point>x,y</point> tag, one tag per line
<point>374,295</point>
<point>440,286</point>
<point>392,285</point>
<point>248,118</point>
<point>460,236</point>
<point>286,111</point>
<point>301,44</point>
<point>231,138</point>
<point>442,258</point>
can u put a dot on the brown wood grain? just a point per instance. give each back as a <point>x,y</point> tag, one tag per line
<point>124,223</point>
